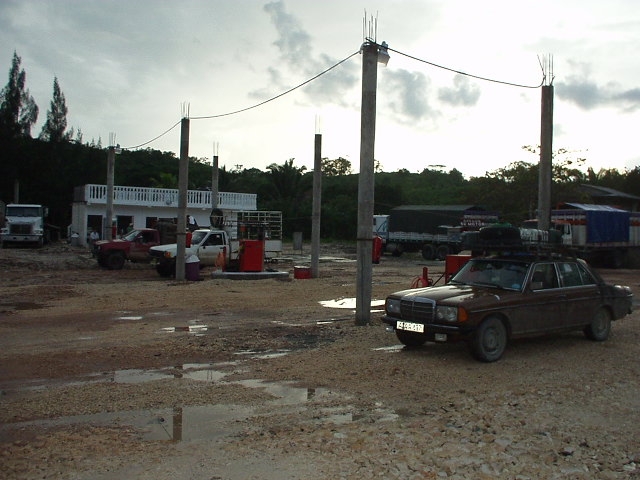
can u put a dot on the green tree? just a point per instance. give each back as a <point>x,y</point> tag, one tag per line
<point>18,109</point>
<point>339,166</point>
<point>56,124</point>
<point>288,188</point>
<point>287,180</point>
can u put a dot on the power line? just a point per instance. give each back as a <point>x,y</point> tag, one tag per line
<point>156,138</point>
<point>326,71</point>
<point>279,95</point>
<point>467,74</point>
<point>247,108</point>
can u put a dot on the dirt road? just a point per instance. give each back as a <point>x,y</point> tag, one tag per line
<point>112,375</point>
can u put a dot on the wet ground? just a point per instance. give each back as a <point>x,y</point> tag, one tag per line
<point>107,375</point>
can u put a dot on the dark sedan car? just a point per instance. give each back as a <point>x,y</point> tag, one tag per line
<point>494,299</point>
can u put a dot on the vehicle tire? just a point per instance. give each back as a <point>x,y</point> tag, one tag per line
<point>489,340</point>
<point>396,252</point>
<point>442,252</point>
<point>428,252</point>
<point>411,339</point>
<point>115,261</point>
<point>600,327</point>
<point>102,261</point>
<point>166,269</point>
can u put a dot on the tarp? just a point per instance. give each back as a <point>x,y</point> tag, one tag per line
<point>605,224</point>
<point>427,218</point>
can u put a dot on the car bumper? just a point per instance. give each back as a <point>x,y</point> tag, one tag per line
<point>431,330</point>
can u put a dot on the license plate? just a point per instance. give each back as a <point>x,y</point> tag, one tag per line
<point>410,327</point>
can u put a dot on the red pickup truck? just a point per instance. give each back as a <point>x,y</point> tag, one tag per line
<point>134,246</point>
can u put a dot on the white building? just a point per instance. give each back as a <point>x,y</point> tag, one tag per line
<point>144,207</point>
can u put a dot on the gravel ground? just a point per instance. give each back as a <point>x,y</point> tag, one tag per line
<point>112,375</point>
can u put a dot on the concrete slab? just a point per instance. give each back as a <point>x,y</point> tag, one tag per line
<point>249,275</point>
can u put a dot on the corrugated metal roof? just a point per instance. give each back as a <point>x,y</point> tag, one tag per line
<point>591,207</point>
<point>453,208</point>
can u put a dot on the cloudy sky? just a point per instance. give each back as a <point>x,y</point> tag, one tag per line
<point>134,67</point>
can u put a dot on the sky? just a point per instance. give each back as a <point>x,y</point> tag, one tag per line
<point>133,69</point>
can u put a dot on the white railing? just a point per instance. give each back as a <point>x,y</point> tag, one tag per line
<point>164,197</point>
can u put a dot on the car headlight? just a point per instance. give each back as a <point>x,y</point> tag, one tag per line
<point>447,314</point>
<point>392,306</point>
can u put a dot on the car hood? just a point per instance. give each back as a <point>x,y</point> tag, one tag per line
<point>456,294</point>
<point>168,246</point>
<point>106,242</point>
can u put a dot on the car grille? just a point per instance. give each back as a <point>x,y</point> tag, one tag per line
<point>156,253</point>
<point>419,310</point>
<point>21,229</point>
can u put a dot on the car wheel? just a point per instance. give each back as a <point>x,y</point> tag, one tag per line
<point>411,339</point>
<point>428,253</point>
<point>490,340</point>
<point>115,261</point>
<point>442,252</point>
<point>600,327</point>
<point>166,269</point>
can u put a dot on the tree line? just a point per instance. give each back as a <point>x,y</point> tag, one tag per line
<point>49,167</point>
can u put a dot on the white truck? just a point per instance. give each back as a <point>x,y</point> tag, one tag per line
<point>600,234</point>
<point>224,242</point>
<point>24,224</point>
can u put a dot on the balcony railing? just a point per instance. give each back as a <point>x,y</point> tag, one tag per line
<point>167,197</point>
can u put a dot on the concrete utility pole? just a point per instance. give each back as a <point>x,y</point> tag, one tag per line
<point>546,154</point>
<point>366,182</point>
<point>111,161</point>
<point>215,182</point>
<point>183,184</point>
<point>316,209</point>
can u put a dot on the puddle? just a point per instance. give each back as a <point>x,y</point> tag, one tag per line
<point>217,421</point>
<point>187,423</point>
<point>349,302</point>
<point>136,317</point>
<point>390,349</point>
<point>186,328</point>
<point>264,355</point>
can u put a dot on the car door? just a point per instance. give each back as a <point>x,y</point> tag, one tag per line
<point>209,250</point>
<point>139,247</point>
<point>582,294</point>
<point>543,302</point>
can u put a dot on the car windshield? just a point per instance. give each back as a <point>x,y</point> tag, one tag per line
<point>485,272</point>
<point>197,237</point>
<point>13,211</point>
<point>131,236</point>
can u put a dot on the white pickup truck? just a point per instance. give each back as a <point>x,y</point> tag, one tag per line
<point>206,244</point>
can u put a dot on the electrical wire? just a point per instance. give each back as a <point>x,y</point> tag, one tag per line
<point>247,108</point>
<point>154,139</point>
<point>204,117</point>
<point>279,95</point>
<point>467,74</point>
